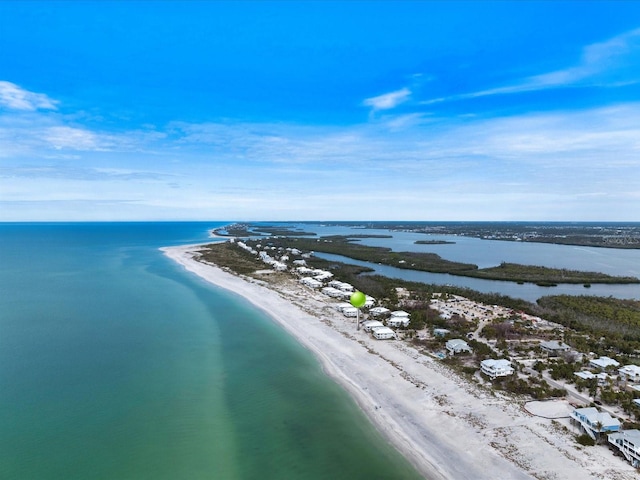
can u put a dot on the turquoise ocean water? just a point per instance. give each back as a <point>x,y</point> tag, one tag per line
<point>117,364</point>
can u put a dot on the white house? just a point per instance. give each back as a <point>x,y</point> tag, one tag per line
<point>369,301</point>
<point>331,292</point>
<point>345,287</point>
<point>496,368</point>
<point>350,312</point>
<point>279,266</point>
<point>396,322</point>
<point>629,373</point>
<point>457,345</point>
<point>311,282</point>
<point>553,348</point>
<point>628,442</point>
<point>603,362</point>
<point>371,324</point>
<point>343,305</point>
<point>379,311</point>
<point>440,332</point>
<point>383,333</point>
<point>595,422</point>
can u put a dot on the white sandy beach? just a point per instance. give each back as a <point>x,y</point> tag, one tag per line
<point>445,426</point>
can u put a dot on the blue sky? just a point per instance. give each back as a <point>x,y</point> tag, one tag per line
<point>309,110</point>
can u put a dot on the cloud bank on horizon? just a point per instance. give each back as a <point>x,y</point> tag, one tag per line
<point>319,111</point>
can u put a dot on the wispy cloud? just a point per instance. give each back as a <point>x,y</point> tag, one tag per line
<point>388,100</point>
<point>604,64</point>
<point>511,167</point>
<point>16,98</point>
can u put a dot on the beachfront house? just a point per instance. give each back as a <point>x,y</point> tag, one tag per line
<point>496,368</point>
<point>630,373</point>
<point>594,422</point>
<point>383,333</point>
<point>399,317</point>
<point>457,345</point>
<point>323,276</point>
<point>395,322</point>
<point>304,270</point>
<point>332,292</point>
<point>554,348</point>
<point>603,362</point>
<point>628,442</point>
<point>279,266</point>
<point>343,286</point>
<point>369,325</point>
<point>343,305</point>
<point>379,312</point>
<point>369,301</point>
<point>311,282</point>
<point>350,312</point>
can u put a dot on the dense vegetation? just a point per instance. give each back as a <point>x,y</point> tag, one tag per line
<point>341,245</point>
<point>431,262</point>
<point>225,254</point>
<point>596,324</point>
<point>616,320</point>
<point>536,274</point>
<point>610,235</point>
<point>433,242</point>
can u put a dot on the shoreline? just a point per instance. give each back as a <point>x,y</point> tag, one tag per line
<point>444,426</point>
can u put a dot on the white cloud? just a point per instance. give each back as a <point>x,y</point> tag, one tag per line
<point>529,166</point>
<point>16,98</point>
<point>601,64</point>
<point>388,100</point>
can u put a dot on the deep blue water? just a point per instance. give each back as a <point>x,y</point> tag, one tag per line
<point>117,364</point>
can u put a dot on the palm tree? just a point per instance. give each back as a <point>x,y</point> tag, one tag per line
<point>598,427</point>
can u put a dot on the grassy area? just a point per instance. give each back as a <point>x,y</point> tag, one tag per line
<point>225,254</point>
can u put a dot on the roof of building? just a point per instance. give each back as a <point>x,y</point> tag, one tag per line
<point>554,345</point>
<point>604,362</point>
<point>491,363</point>
<point>379,310</point>
<point>632,436</point>
<point>632,369</point>
<point>457,343</point>
<point>594,416</point>
<point>373,323</point>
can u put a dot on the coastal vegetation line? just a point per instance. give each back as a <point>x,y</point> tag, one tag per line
<point>431,262</point>
<point>599,324</point>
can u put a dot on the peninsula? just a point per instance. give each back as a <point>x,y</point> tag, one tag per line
<point>446,425</point>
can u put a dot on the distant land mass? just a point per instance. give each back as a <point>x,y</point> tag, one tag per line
<point>348,246</point>
<point>587,234</point>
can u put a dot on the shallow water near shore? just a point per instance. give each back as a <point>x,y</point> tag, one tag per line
<point>117,364</point>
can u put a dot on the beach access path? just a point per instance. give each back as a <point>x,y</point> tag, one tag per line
<point>447,427</point>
